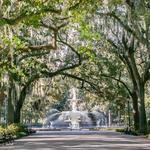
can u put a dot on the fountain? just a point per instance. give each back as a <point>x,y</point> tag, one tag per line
<point>73,100</point>
<point>74,119</point>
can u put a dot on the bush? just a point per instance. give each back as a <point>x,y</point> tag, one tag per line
<point>148,129</point>
<point>120,130</point>
<point>16,130</point>
<point>128,131</point>
<point>2,130</point>
<point>148,122</point>
<point>21,128</point>
<point>12,129</point>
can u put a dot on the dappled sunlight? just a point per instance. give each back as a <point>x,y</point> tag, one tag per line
<point>104,140</point>
<point>74,74</point>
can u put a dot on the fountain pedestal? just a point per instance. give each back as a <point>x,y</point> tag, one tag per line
<point>74,117</point>
<point>74,120</point>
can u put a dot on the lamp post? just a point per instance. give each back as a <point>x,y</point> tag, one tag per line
<point>119,116</point>
<point>129,118</point>
<point>109,118</point>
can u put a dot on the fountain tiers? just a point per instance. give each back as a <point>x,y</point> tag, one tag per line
<point>73,119</point>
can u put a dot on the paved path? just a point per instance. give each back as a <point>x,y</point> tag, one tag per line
<point>79,140</point>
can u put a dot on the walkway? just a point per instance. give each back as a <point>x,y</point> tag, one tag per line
<point>83,140</point>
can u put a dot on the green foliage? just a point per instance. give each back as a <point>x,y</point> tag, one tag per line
<point>86,33</point>
<point>115,2</point>
<point>7,2</point>
<point>147,18</point>
<point>14,129</point>
<point>2,22</point>
<point>119,130</point>
<point>97,56</point>
<point>2,130</point>
<point>60,105</point>
<point>130,132</point>
<point>33,21</point>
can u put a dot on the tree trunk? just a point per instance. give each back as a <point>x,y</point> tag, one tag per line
<point>10,107</point>
<point>2,98</point>
<point>1,105</point>
<point>143,121</point>
<point>136,110</point>
<point>0,112</point>
<point>140,93</point>
<point>19,105</point>
<point>17,114</point>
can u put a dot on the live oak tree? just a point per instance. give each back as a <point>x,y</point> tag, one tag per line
<point>13,13</point>
<point>101,74</point>
<point>125,25</point>
<point>20,56</point>
<point>128,25</point>
<point>31,30</point>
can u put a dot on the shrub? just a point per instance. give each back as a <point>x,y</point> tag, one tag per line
<point>2,130</point>
<point>120,130</point>
<point>148,128</point>
<point>16,130</point>
<point>128,131</point>
<point>12,129</point>
<point>21,128</point>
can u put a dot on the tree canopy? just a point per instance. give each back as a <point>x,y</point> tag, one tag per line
<point>100,46</point>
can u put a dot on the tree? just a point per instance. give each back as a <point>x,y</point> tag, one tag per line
<point>18,51</point>
<point>120,24</point>
<point>128,34</point>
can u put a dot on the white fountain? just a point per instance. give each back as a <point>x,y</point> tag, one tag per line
<point>73,100</point>
<point>74,117</point>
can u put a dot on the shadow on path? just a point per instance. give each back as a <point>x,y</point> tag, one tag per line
<point>103,140</point>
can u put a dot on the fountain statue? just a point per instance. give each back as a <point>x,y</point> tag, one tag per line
<point>73,100</point>
<point>74,119</point>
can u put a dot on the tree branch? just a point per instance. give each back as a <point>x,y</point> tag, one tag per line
<point>80,79</point>
<point>72,48</point>
<point>39,47</point>
<point>146,74</point>
<point>24,15</point>
<point>51,74</point>
<point>33,55</point>
<point>118,80</point>
<point>123,24</point>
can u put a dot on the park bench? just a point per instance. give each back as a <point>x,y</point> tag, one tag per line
<point>6,138</point>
